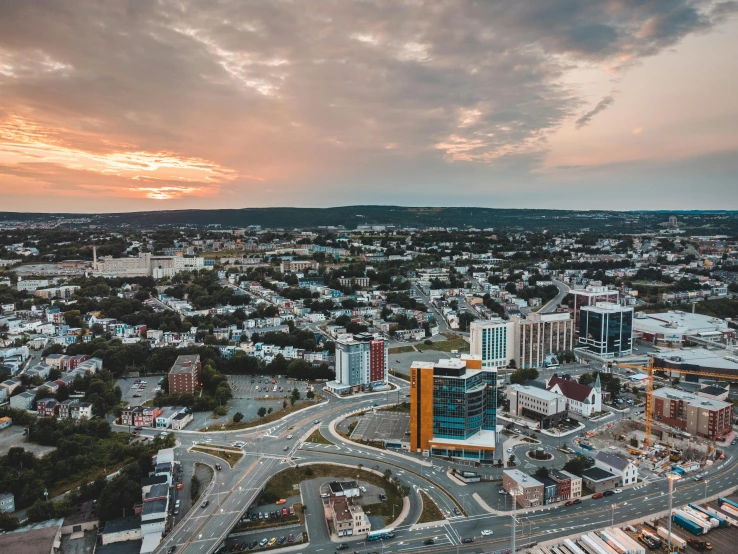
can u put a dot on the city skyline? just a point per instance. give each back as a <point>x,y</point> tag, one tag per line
<point>619,104</point>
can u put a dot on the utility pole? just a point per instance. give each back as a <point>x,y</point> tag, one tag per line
<point>515,492</point>
<point>672,477</point>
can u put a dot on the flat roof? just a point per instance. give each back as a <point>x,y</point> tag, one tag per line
<point>696,356</point>
<point>691,398</point>
<point>538,393</point>
<point>693,322</point>
<point>121,524</point>
<point>522,478</point>
<point>29,541</point>
<point>597,474</point>
<point>484,439</point>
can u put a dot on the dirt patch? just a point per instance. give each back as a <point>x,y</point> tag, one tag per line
<point>13,436</point>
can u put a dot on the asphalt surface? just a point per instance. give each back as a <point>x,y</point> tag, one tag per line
<point>203,529</point>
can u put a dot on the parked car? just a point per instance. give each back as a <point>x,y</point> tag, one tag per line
<point>272,541</point>
<point>486,532</point>
<point>362,489</point>
<point>597,495</point>
<point>608,493</point>
<point>501,491</point>
<point>263,542</point>
<point>324,495</point>
<point>573,502</point>
<point>467,540</point>
<point>291,538</point>
<point>281,540</point>
<point>285,512</point>
<point>617,491</point>
<point>253,544</point>
<point>281,501</point>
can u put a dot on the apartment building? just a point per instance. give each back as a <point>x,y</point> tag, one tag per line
<point>287,266</point>
<point>361,363</point>
<point>539,336</point>
<point>697,415</point>
<point>453,408</point>
<point>546,407</point>
<point>494,341</point>
<point>183,376</point>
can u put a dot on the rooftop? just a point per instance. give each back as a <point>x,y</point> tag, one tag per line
<point>690,398</point>
<point>571,389</point>
<point>32,540</point>
<point>523,479</point>
<point>483,439</point>
<point>543,394</point>
<point>121,524</point>
<point>597,474</point>
<point>612,460</point>
<point>185,363</point>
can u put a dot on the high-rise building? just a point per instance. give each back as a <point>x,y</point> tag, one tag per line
<point>453,408</point>
<point>539,336</point>
<point>607,329</point>
<point>492,341</point>
<point>589,296</point>
<point>361,362</point>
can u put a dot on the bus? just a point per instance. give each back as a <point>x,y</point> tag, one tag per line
<point>381,534</point>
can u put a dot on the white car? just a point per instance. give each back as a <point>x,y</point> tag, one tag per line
<point>617,491</point>
<point>289,437</point>
<point>486,532</point>
<point>509,450</point>
<point>363,489</point>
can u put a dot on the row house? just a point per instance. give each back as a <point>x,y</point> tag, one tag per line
<point>147,417</point>
<point>46,407</point>
<point>40,370</point>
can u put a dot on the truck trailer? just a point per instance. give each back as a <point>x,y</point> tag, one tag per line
<point>676,540</point>
<point>682,521</point>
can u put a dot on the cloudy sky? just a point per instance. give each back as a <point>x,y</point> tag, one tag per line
<point>141,105</point>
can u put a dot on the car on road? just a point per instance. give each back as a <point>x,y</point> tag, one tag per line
<point>289,437</point>
<point>486,532</point>
<point>171,549</point>
<point>467,540</point>
<point>263,542</point>
<point>429,541</point>
<point>608,493</point>
<point>272,541</point>
<point>597,495</point>
<point>285,449</point>
<point>457,511</point>
<point>501,491</point>
<point>205,504</point>
<point>281,501</point>
<point>316,421</point>
<point>218,467</point>
<point>697,478</point>
<point>617,491</point>
<point>342,547</point>
<point>573,502</point>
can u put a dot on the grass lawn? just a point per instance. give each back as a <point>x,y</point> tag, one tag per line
<point>318,437</point>
<point>430,510</point>
<point>230,456</point>
<point>400,350</point>
<point>281,486</point>
<point>274,416</point>
<point>454,343</point>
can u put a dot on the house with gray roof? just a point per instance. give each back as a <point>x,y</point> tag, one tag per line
<point>618,465</point>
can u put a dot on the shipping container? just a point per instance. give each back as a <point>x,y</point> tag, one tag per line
<point>676,540</point>
<point>685,523</point>
<point>721,521</point>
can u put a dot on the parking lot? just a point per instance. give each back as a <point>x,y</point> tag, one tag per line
<point>382,426</point>
<point>251,392</point>
<point>135,394</point>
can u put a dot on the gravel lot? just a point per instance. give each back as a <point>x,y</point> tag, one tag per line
<point>13,436</point>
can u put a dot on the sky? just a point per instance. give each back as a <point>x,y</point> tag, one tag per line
<point>583,104</point>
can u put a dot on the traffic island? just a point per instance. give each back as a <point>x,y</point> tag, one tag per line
<point>539,454</point>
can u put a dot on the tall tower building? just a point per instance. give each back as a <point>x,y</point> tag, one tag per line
<point>361,362</point>
<point>493,342</point>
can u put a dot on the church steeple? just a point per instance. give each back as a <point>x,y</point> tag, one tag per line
<point>598,386</point>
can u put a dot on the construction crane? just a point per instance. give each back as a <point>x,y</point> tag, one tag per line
<point>649,370</point>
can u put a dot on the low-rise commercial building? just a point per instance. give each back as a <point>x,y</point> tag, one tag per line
<point>621,467</point>
<point>530,490</point>
<point>546,407</point>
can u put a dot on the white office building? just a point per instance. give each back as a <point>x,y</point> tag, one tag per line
<point>493,341</point>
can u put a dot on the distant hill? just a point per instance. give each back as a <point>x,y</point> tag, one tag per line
<point>351,216</point>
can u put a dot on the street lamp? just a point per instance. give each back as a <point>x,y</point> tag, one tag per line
<point>612,516</point>
<point>514,492</point>
<point>672,477</point>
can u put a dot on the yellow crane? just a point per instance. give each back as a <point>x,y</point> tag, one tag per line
<point>649,370</point>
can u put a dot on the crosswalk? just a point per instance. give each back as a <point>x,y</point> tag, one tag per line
<point>319,446</point>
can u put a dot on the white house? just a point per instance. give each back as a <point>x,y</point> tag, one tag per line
<point>624,468</point>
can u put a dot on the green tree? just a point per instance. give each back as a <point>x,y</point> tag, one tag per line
<point>262,411</point>
<point>41,510</point>
<point>295,396</point>
<point>237,417</point>
<point>586,379</point>
<point>520,376</point>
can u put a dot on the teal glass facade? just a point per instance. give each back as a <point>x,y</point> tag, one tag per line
<point>464,405</point>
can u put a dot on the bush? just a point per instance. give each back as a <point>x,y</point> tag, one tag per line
<point>238,416</point>
<point>428,342</point>
<point>221,410</point>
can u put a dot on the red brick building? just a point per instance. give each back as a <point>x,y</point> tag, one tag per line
<point>184,375</point>
<point>697,415</point>
<point>377,361</point>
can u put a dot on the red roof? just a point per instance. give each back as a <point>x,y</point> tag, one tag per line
<point>571,389</point>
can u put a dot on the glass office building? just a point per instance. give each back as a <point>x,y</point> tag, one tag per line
<point>607,329</point>
<point>453,409</point>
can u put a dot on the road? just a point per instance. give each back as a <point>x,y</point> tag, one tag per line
<point>203,529</point>
<point>552,304</point>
